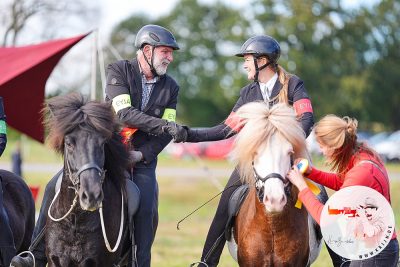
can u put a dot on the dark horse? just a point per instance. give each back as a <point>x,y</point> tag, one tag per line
<point>269,229</point>
<point>86,133</point>
<point>20,208</point>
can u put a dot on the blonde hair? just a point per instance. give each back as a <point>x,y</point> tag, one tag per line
<point>340,134</point>
<point>283,77</point>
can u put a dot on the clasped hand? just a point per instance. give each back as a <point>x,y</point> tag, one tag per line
<point>178,132</point>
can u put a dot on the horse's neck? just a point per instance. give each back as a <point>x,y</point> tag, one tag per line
<point>278,221</point>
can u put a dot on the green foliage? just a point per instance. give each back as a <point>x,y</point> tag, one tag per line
<point>348,58</point>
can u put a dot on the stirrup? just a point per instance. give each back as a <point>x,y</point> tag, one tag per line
<point>200,262</point>
<point>29,254</point>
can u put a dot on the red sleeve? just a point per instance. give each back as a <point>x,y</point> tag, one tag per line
<point>328,179</point>
<point>313,206</point>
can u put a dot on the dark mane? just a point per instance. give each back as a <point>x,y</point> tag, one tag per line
<point>65,113</point>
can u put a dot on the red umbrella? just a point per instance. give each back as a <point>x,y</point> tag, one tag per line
<point>23,75</point>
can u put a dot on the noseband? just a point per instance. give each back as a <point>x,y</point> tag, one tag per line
<point>261,180</point>
<point>75,177</point>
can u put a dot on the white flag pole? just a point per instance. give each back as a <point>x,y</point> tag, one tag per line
<point>94,67</point>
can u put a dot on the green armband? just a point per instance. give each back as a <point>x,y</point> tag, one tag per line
<point>3,127</point>
<point>121,101</point>
<point>169,114</point>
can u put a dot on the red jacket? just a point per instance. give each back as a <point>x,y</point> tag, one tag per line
<point>364,174</point>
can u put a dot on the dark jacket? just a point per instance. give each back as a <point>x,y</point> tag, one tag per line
<point>252,93</point>
<point>123,77</point>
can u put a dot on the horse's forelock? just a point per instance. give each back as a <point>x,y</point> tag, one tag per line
<point>65,113</point>
<point>261,124</point>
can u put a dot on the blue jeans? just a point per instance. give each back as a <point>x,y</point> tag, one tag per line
<point>388,257</point>
<point>144,176</point>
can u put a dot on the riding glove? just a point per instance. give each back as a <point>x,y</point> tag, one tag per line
<point>178,132</point>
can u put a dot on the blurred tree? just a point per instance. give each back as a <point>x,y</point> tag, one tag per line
<point>42,17</point>
<point>382,97</point>
<point>347,57</point>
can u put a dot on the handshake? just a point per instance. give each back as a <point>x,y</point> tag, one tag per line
<point>178,132</point>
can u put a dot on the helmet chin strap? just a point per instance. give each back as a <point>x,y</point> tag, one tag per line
<point>259,68</point>
<point>151,63</point>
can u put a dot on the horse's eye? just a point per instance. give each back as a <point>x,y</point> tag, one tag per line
<point>68,144</point>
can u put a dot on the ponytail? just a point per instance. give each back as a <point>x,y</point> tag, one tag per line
<point>283,77</point>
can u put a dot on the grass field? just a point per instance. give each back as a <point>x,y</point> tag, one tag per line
<point>178,197</point>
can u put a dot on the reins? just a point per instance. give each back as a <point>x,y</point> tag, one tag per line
<point>205,203</point>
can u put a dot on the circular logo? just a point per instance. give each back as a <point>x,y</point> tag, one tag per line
<point>357,222</point>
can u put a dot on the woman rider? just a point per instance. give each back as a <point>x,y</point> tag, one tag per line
<point>270,83</point>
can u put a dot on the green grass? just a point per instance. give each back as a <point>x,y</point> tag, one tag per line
<point>178,197</point>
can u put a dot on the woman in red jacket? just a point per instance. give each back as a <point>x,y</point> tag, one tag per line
<point>355,164</point>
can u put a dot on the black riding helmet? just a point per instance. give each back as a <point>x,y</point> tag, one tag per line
<point>261,46</point>
<point>154,35</point>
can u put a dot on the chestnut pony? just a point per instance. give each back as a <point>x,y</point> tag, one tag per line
<point>269,230</point>
<point>86,217</point>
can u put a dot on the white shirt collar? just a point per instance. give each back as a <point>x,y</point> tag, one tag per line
<point>266,88</point>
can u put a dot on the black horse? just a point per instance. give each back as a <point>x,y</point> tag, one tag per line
<point>20,208</point>
<point>86,133</point>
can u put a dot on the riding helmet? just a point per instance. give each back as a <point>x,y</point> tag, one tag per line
<point>261,45</point>
<point>156,36</point>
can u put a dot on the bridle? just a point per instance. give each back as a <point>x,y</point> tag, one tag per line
<point>260,181</point>
<point>75,177</point>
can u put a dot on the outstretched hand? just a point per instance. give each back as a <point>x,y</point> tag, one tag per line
<point>178,132</point>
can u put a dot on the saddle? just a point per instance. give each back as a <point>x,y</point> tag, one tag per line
<point>235,202</point>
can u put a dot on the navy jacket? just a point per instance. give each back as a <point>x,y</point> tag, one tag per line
<point>123,79</point>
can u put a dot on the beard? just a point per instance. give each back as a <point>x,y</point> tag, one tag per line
<point>161,65</point>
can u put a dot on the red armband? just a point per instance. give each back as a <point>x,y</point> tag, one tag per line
<point>302,106</point>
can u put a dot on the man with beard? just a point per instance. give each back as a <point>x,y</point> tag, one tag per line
<point>144,98</point>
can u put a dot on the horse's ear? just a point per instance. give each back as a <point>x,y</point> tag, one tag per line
<point>50,109</point>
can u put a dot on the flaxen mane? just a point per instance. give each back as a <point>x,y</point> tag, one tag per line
<point>259,123</point>
<point>65,113</point>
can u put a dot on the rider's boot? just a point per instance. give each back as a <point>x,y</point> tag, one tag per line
<point>133,200</point>
<point>38,245</point>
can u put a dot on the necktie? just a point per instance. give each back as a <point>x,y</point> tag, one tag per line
<point>146,94</point>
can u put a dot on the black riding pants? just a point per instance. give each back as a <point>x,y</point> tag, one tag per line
<point>215,241</point>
